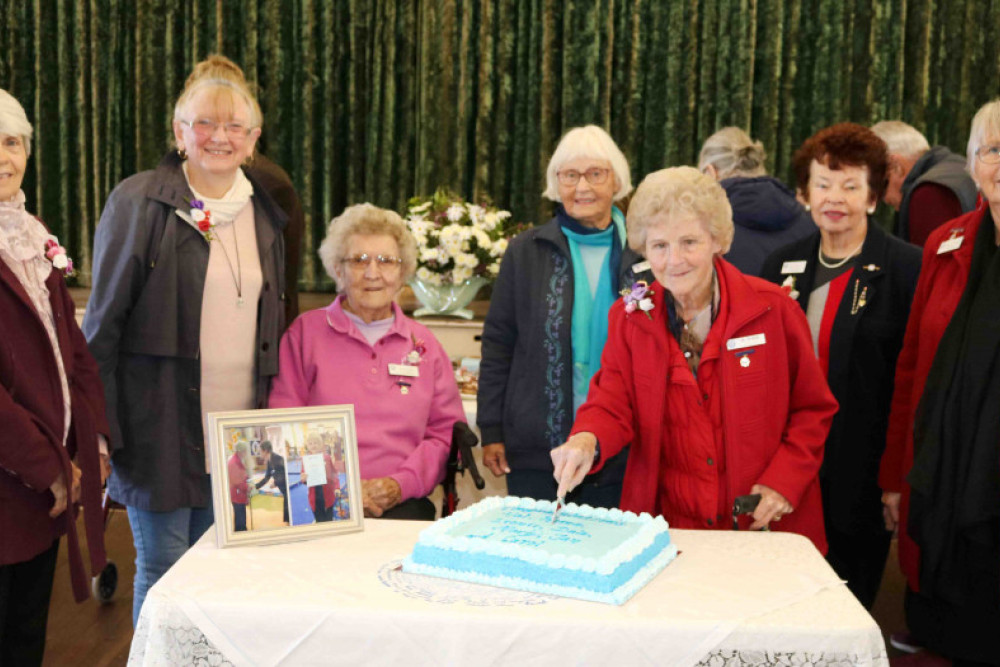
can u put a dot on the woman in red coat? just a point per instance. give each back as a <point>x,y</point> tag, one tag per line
<point>239,467</point>
<point>51,412</point>
<point>941,469</point>
<point>709,373</point>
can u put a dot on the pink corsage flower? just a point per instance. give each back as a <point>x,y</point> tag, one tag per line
<point>56,254</point>
<point>416,355</point>
<point>202,217</point>
<point>638,297</point>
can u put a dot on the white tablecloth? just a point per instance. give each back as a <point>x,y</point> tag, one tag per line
<point>729,599</point>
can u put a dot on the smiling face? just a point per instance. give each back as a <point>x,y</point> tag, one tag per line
<point>680,253</point>
<point>588,203</point>
<point>369,288</point>
<point>987,176</point>
<point>839,198</point>
<point>13,160</point>
<point>218,153</point>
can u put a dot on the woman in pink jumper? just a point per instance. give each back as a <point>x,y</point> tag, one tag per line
<point>362,350</point>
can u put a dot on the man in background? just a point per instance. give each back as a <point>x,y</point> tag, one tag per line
<point>275,470</point>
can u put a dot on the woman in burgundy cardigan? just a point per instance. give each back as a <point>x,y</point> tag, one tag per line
<point>51,412</point>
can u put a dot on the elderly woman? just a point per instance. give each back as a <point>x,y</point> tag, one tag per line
<point>322,496</point>
<point>51,411</point>
<point>941,467</point>
<point>239,467</point>
<point>547,323</point>
<point>361,349</point>
<point>709,373</point>
<point>185,316</point>
<point>766,215</point>
<point>855,284</point>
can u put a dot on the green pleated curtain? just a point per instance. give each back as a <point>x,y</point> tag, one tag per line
<point>369,100</point>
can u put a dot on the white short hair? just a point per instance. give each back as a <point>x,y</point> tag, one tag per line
<point>985,125</point>
<point>902,138</point>
<point>13,120</point>
<point>592,142</point>
<point>367,220</point>
<point>732,152</point>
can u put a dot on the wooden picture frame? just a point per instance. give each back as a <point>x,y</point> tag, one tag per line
<point>305,461</point>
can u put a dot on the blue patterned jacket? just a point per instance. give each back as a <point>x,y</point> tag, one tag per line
<point>526,376</point>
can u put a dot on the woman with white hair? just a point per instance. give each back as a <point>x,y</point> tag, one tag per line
<point>185,316</point>
<point>766,215</point>
<point>547,324</point>
<point>51,413</point>
<point>709,374</point>
<point>362,350</point>
<point>240,468</point>
<point>940,472</point>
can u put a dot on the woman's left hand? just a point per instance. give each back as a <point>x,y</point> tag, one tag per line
<point>380,494</point>
<point>572,460</point>
<point>772,507</point>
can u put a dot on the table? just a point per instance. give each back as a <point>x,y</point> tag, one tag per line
<point>729,599</point>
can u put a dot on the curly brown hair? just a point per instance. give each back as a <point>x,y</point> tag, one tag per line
<point>847,144</point>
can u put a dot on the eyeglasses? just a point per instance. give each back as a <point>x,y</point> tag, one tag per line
<point>206,127</point>
<point>594,176</point>
<point>988,154</point>
<point>383,262</point>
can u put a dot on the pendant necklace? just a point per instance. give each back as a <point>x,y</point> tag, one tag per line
<point>836,265</point>
<point>238,273</point>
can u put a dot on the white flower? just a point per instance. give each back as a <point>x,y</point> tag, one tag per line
<point>490,221</point>
<point>422,208</point>
<point>475,212</point>
<point>197,214</point>
<point>429,255</point>
<point>503,215</point>
<point>455,212</point>
<point>482,239</point>
<point>494,269</point>
<point>461,274</point>
<point>646,305</point>
<point>499,248</point>
<point>60,261</point>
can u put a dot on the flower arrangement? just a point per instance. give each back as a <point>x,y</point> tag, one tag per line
<point>457,240</point>
<point>638,297</point>
<point>56,254</point>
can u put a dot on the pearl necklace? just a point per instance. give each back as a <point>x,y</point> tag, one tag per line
<point>837,265</point>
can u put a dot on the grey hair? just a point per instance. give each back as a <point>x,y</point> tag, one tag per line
<point>366,220</point>
<point>676,192</point>
<point>732,152</point>
<point>592,142</point>
<point>902,138</point>
<point>13,120</point>
<point>985,125</point>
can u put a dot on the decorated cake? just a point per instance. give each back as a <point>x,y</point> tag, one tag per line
<point>589,553</point>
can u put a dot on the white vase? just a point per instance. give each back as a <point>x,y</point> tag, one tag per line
<point>449,300</point>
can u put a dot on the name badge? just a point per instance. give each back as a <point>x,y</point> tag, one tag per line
<point>953,243</point>
<point>639,267</point>
<point>404,370</point>
<point>745,341</point>
<point>793,267</point>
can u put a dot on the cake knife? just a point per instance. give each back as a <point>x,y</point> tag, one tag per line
<point>560,503</point>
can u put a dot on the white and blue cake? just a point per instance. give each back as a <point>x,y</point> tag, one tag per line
<point>589,553</point>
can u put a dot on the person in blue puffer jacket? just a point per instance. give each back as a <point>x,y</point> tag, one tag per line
<point>766,214</point>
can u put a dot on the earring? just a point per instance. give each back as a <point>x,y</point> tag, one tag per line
<point>808,208</point>
<point>871,210</point>
<point>182,154</point>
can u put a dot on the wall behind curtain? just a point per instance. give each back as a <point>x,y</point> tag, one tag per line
<point>378,101</point>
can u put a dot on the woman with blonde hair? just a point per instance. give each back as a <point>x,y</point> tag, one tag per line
<point>184,316</point>
<point>709,374</point>
<point>766,215</point>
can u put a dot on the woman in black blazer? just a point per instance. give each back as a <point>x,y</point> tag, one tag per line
<point>855,283</point>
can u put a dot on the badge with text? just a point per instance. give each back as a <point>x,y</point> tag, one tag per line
<point>954,243</point>
<point>404,370</point>
<point>798,266</point>
<point>639,267</point>
<point>745,341</point>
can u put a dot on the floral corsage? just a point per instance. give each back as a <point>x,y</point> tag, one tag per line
<point>638,297</point>
<point>789,287</point>
<point>56,254</point>
<point>416,355</point>
<point>202,217</point>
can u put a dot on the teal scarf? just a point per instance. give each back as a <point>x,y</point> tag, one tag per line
<point>589,328</point>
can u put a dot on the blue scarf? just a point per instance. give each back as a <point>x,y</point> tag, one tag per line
<point>589,328</point>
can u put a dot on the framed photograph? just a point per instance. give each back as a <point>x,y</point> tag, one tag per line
<point>284,475</point>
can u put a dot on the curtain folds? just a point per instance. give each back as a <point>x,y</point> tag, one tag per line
<point>379,101</point>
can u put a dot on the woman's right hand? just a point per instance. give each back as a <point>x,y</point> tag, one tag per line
<point>890,509</point>
<point>572,460</point>
<point>59,494</point>
<point>494,458</point>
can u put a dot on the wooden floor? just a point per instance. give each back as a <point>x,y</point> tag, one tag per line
<point>99,635</point>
